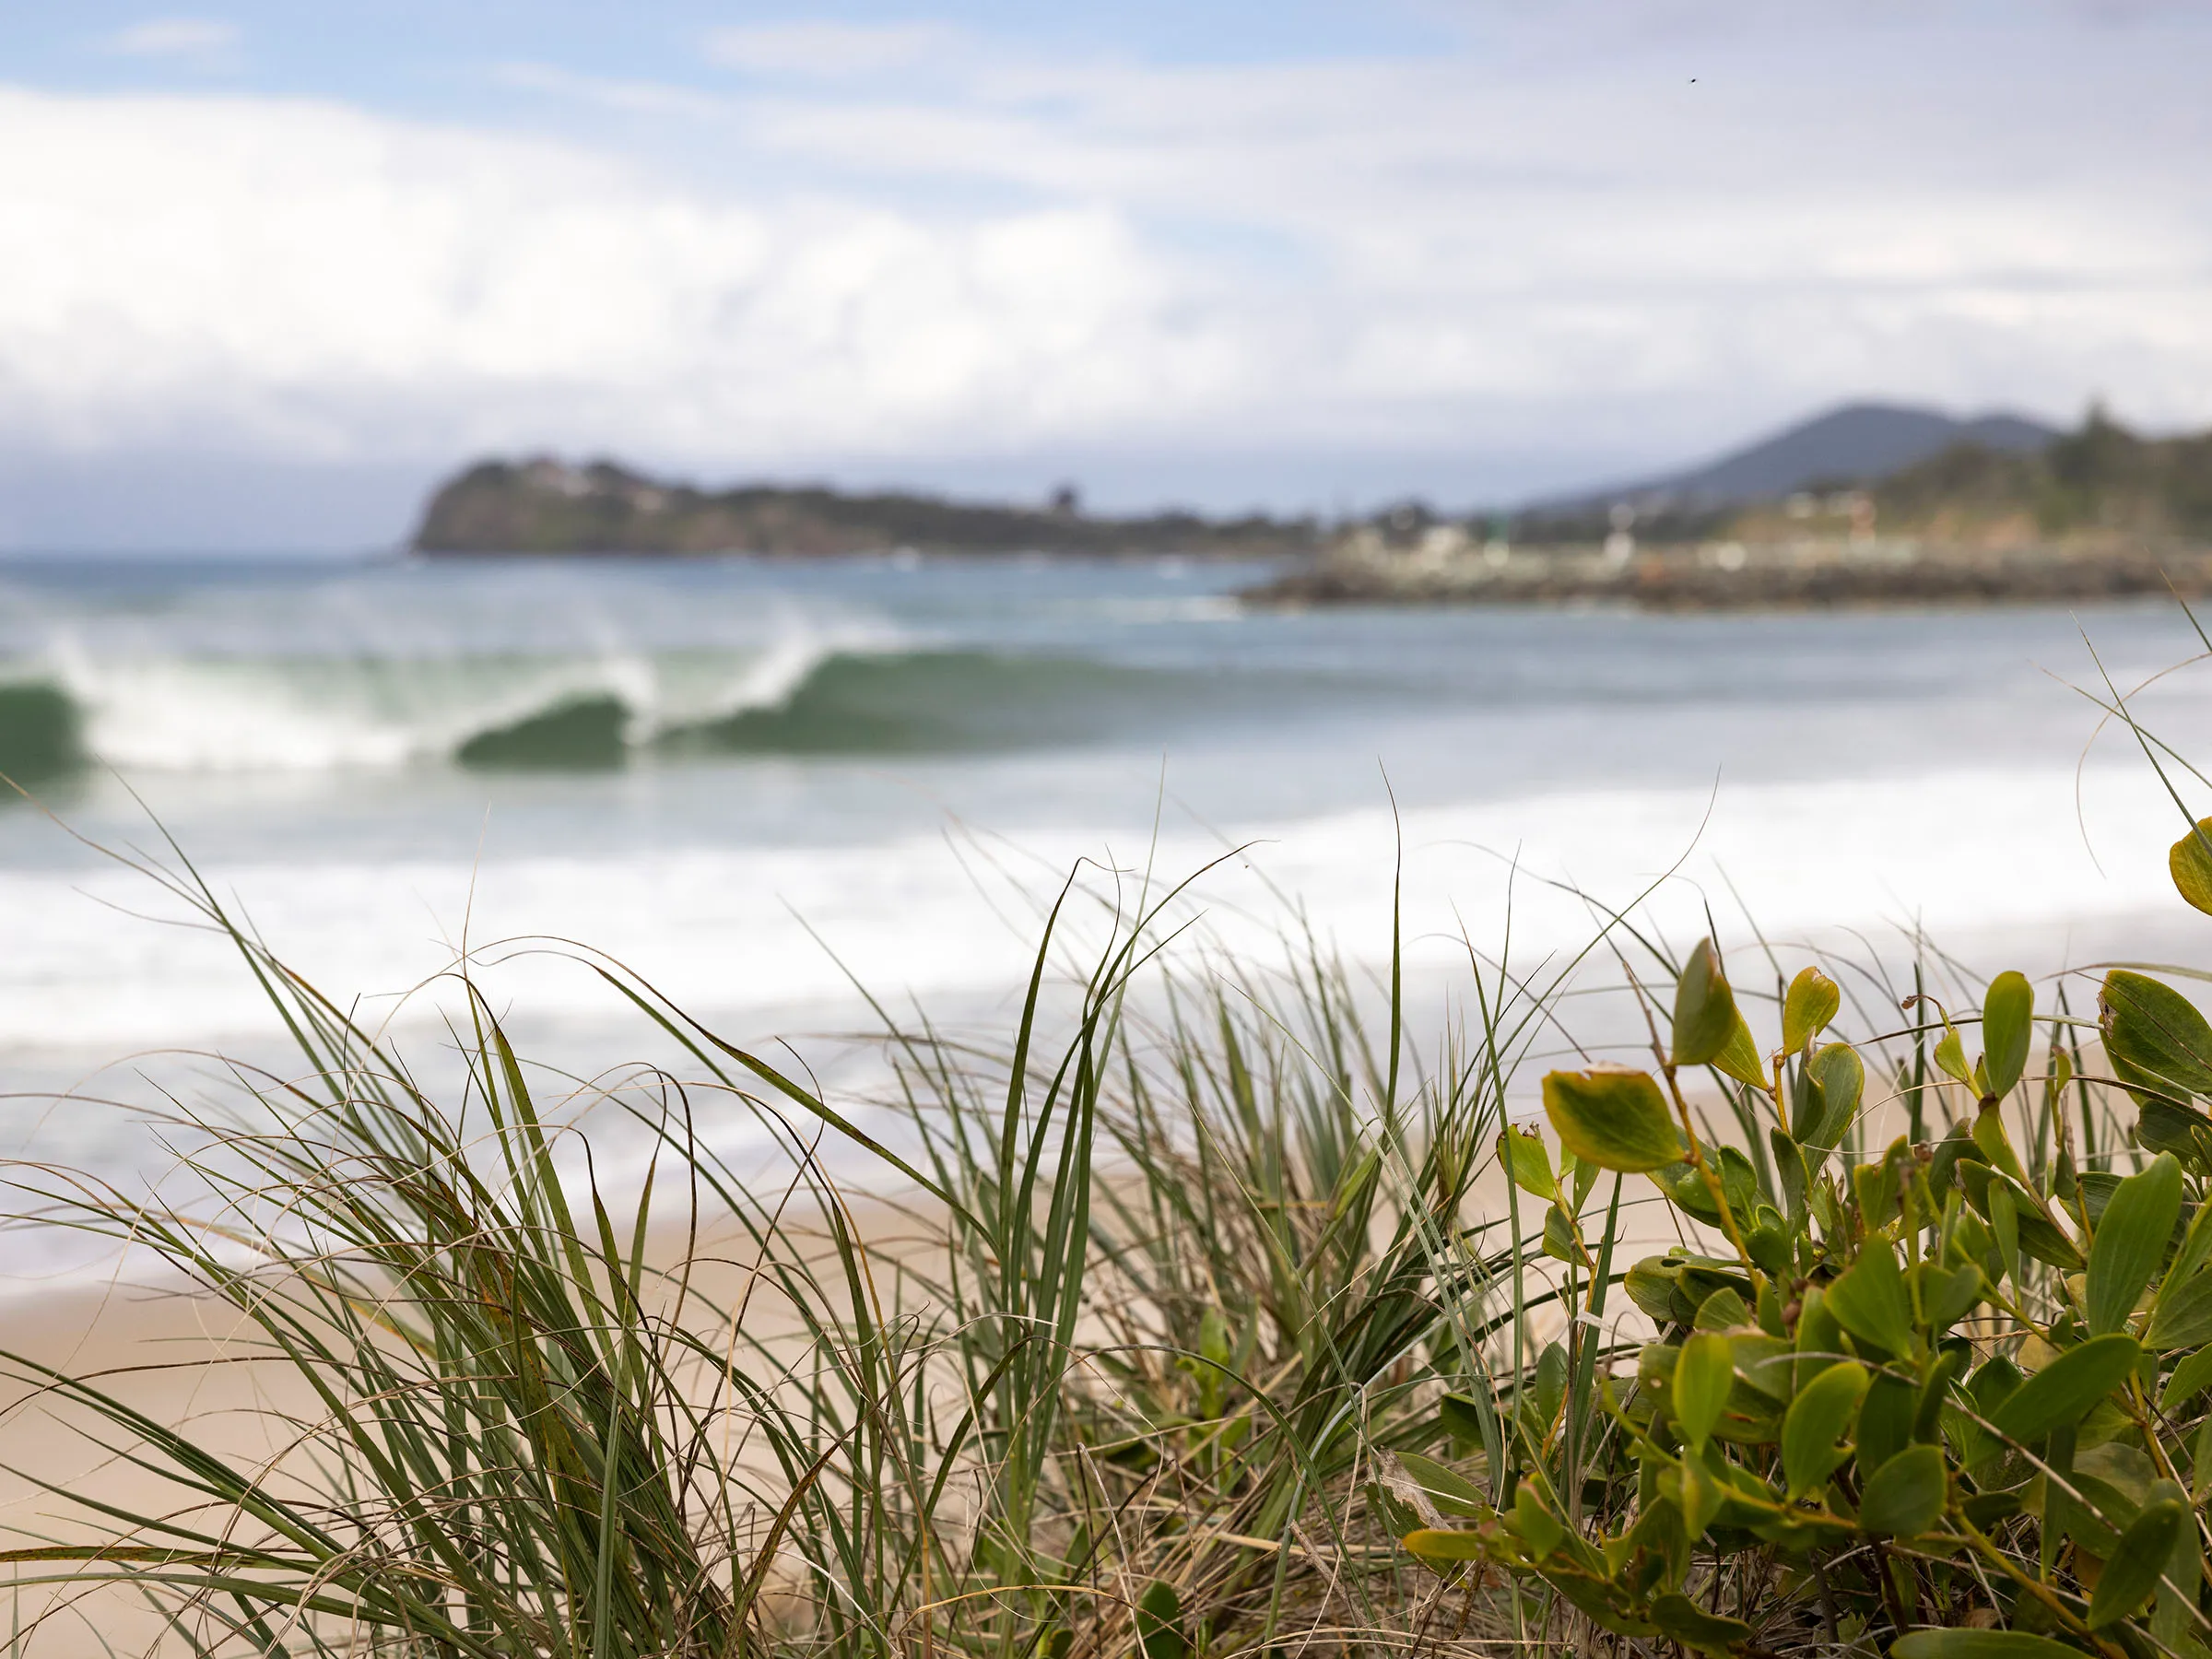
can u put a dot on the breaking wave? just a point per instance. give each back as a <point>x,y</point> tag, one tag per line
<point>809,695</point>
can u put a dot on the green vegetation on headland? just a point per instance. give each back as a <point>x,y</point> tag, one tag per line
<point>1858,1314</point>
<point>546,506</point>
<point>2098,513</point>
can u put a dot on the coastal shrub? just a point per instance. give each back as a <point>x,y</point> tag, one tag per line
<point>1953,1390</point>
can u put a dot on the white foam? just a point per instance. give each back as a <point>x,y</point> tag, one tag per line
<point>726,930</point>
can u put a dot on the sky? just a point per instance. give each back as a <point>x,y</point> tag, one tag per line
<point>273,267</point>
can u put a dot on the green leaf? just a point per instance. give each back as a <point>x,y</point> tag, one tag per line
<point>1936,1393</point>
<point>2154,1036</point>
<point>1905,1496</point>
<point>1561,1242</point>
<point>1740,1058</point>
<point>1979,1644</point>
<point>1993,1383</point>
<point>1950,1055</point>
<point>1723,1311</point>
<point>1703,1376</point>
<point>1875,1191</point>
<point>2063,1389</point>
<point>2190,1378</point>
<point>1452,1492</point>
<point>2181,1317</point>
<point>2116,1478</point>
<point>1766,1365</point>
<point>1842,1077</point>
<point>2005,1222</point>
<point>1700,1498</point>
<point>2163,1125</point>
<point>1463,1418</point>
<point>2008,1025</point>
<point>1682,1619</point>
<point>1772,1245</point>
<point>1885,1422</point>
<point>1811,1003</point>
<point>2175,1612</point>
<point>2196,1249</point>
<point>1822,1411</point>
<point>1789,1171</point>
<point>1550,1389</point>
<point>1819,1340</point>
<point>2190,863</point>
<point>1705,1015</point>
<point>1528,1163</point>
<point>1685,1184</point>
<point>1442,1546</point>
<point>1580,1174</point>
<point>1613,1116</point>
<point>1160,1622</point>
<point>2008,1205</point>
<point>1946,1298</point>
<point>2131,1242</point>
<point>2132,1570</point>
<point>1995,1144</point>
<point>1652,1284</point>
<point>1659,1531</point>
<point>1540,1529</point>
<point>1871,1301</point>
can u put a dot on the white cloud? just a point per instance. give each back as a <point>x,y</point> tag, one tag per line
<point>190,39</point>
<point>828,50</point>
<point>1535,247</point>
<point>317,280</point>
<point>630,96</point>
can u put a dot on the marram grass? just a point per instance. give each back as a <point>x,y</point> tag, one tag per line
<point>1211,1323</point>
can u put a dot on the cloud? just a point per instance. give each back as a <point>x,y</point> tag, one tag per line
<point>1533,246</point>
<point>628,97</point>
<point>1692,223</point>
<point>314,281</point>
<point>191,39</point>
<point>828,49</point>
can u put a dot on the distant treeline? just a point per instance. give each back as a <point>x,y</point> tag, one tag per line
<point>546,506</point>
<point>2102,478</point>
<point>2099,482</point>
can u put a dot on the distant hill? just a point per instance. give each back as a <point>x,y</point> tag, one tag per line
<point>1856,444</point>
<point>549,506</point>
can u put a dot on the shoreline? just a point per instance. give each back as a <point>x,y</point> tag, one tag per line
<point>1733,577</point>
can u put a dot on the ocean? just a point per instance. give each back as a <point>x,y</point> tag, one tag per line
<point>766,786</point>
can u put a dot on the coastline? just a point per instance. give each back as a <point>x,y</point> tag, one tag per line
<point>1733,576</point>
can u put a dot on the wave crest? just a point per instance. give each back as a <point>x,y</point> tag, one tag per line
<point>816,694</point>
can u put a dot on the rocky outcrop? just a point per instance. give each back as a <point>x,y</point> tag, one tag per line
<point>548,506</point>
